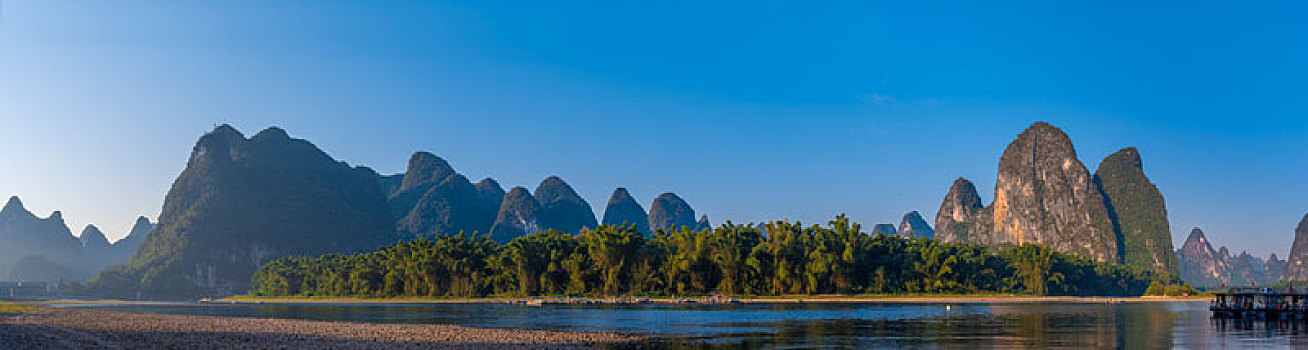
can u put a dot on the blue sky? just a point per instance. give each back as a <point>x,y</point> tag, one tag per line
<point>775,110</point>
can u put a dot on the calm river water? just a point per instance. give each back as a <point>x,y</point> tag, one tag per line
<point>1035,325</point>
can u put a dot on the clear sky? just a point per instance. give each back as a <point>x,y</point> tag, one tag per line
<point>774,110</point>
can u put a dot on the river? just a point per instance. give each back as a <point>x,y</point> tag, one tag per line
<point>1151,324</point>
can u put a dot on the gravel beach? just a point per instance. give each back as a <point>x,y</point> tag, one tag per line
<point>48,328</point>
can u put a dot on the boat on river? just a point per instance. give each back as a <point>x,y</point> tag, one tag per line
<point>1260,303</point>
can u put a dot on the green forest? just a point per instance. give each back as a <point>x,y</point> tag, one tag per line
<point>777,258</point>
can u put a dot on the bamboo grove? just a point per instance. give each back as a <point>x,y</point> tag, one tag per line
<point>777,258</point>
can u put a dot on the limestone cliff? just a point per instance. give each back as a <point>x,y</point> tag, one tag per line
<point>1043,195</point>
<point>1296,267</point>
<point>1138,211</point>
<point>622,210</point>
<point>670,212</point>
<point>914,226</point>
<point>518,216</point>
<point>561,208</point>
<point>244,202</point>
<point>961,214</point>
<point>1199,264</point>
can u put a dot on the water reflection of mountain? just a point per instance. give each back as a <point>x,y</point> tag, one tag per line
<point>1128,325</point>
<point>1039,325</point>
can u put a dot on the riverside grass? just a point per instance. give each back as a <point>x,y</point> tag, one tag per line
<point>9,308</point>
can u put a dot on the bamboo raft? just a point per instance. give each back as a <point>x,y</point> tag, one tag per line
<point>1260,303</point>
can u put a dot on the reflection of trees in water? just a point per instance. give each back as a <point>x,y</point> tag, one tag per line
<point>1006,326</point>
<point>1144,326</point>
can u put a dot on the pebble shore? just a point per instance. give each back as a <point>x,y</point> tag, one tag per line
<point>47,328</point>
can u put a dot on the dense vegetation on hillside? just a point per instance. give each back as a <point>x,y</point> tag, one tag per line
<point>241,203</point>
<point>1138,210</point>
<point>769,259</point>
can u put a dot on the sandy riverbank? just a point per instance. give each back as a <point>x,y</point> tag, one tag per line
<point>49,328</point>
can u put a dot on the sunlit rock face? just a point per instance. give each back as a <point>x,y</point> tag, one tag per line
<point>1296,267</point>
<point>961,214</point>
<point>1199,264</point>
<point>1043,195</point>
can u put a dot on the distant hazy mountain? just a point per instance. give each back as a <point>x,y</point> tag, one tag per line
<point>1199,264</point>
<point>242,202</point>
<point>884,229</point>
<point>40,268</point>
<point>623,210</point>
<point>124,248</point>
<point>1275,268</point>
<point>1202,266</point>
<point>96,249</point>
<point>36,249</point>
<point>670,212</point>
<point>92,238</point>
<point>48,243</point>
<point>914,226</point>
<point>1248,270</point>
<point>561,208</point>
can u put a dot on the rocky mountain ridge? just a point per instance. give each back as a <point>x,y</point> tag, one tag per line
<point>1045,195</point>
<point>241,202</point>
<point>44,249</point>
<point>1296,264</point>
<point>1202,266</point>
<point>914,226</point>
<point>430,199</point>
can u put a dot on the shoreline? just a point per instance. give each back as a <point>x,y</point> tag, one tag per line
<point>53,328</point>
<point>871,299</point>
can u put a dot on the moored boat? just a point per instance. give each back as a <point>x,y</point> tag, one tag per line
<point>1260,303</point>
